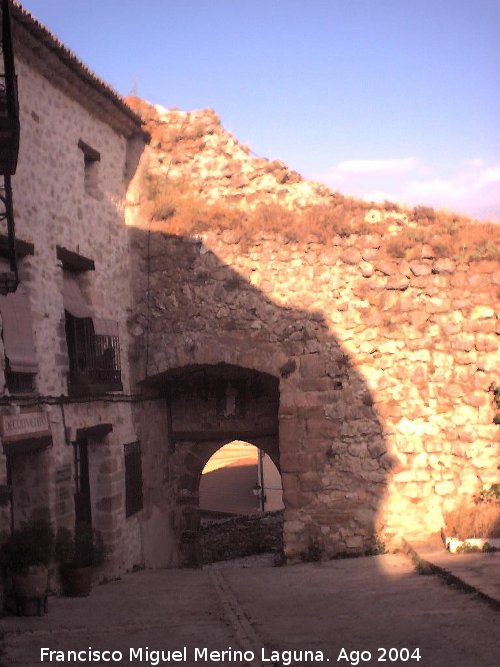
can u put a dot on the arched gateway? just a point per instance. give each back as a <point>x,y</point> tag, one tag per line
<point>210,406</point>
<point>227,362</point>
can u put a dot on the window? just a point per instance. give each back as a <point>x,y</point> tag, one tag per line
<point>91,169</point>
<point>93,345</point>
<point>133,478</point>
<point>8,281</point>
<point>94,359</point>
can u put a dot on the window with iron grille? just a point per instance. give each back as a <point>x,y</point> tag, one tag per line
<point>133,478</point>
<point>94,360</point>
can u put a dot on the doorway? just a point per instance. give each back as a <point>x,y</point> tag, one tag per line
<point>83,508</point>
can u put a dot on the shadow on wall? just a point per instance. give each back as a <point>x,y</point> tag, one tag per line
<point>209,406</point>
<point>195,314</point>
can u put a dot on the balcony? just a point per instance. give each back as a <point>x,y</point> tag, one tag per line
<point>94,358</point>
<point>9,105</point>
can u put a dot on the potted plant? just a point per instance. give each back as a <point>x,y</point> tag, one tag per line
<point>26,555</point>
<point>78,552</point>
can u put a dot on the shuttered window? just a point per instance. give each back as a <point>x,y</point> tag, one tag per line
<point>133,478</point>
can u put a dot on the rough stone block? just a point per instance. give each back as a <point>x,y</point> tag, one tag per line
<point>482,312</point>
<point>351,256</point>
<point>443,266</point>
<point>445,488</point>
<point>313,366</point>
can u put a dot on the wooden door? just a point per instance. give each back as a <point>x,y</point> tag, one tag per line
<point>83,511</point>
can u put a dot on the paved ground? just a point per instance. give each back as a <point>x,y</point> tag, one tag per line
<point>335,609</point>
<point>479,571</point>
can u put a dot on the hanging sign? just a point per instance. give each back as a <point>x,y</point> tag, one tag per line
<point>26,425</point>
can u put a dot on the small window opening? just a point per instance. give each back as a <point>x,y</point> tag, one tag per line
<point>91,169</point>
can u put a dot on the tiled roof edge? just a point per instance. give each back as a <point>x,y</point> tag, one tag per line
<point>49,40</point>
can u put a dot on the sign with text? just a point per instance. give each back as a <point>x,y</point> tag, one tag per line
<point>24,425</point>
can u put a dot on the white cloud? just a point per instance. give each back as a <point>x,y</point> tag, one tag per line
<point>435,187</point>
<point>476,162</point>
<point>490,175</point>
<point>470,186</point>
<point>376,166</point>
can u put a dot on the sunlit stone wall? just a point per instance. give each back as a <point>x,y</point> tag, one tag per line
<point>384,365</point>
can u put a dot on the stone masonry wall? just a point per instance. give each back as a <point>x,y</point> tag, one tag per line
<point>384,368</point>
<point>52,207</point>
<point>237,537</point>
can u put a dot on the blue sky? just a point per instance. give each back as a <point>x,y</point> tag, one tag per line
<point>385,99</point>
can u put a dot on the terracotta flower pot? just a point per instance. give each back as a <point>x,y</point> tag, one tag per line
<point>30,590</point>
<point>76,581</point>
<point>31,584</point>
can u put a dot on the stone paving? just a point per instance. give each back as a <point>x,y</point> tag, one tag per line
<point>479,572</point>
<point>162,609</point>
<point>336,610</point>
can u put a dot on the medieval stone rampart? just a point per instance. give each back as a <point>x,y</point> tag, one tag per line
<point>385,418</point>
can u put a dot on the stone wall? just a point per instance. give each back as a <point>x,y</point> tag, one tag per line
<point>192,147</point>
<point>385,418</point>
<point>53,208</point>
<point>159,542</point>
<point>382,365</point>
<point>236,537</point>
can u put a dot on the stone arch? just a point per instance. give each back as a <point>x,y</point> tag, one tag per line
<point>268,359</point>
<point>334,458</point>
<point>187,496</point>
<point>196,458</point>
<point>210,406</point>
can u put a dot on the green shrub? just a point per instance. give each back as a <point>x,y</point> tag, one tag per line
<point>82,548</point>
<point>31,544</point>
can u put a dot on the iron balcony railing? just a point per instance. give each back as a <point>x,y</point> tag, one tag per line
<point>94,361</point>
<point>9,103</point>
<point>9,126</point>
<point>9,145</point>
